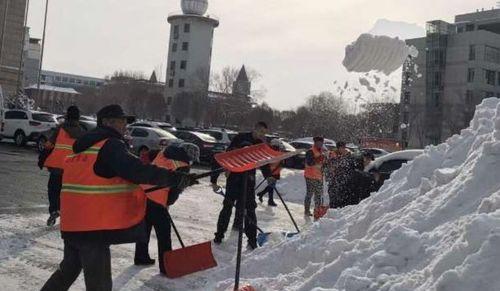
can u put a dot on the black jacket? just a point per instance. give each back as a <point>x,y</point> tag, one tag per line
<point>75,131</point>
<point>350,184</point>
<point>115,160</point>
<point>234,185</point>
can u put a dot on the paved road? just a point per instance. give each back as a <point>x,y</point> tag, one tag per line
<point>23,185</point>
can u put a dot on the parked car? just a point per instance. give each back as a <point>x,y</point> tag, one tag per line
<point>376,152</point>
<point>389,163</point>
<point>23,125</point>
<point>221,135</point>
<point>149,138</point>
<point>299,161</point>
<point>87,124</point>
<point>154,124</point>
<point>208,145</point>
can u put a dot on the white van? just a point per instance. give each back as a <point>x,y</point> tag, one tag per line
<point>23,126</point>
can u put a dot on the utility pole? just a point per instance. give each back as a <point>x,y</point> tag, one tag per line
<point>43,47</point>
<point>20,72</point>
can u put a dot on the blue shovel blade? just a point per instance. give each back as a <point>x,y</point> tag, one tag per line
<point>262,238</point>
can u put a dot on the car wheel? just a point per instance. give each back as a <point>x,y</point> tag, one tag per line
<point>40,144</point>
<point>20,138</point>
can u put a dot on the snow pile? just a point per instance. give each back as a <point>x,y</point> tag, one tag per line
<point>379,53</point>
<point>434,226</point>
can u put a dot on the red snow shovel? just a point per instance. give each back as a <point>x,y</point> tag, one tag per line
<point>188,260</point>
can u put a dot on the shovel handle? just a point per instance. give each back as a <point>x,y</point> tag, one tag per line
<point>175,230</point>
<point>197,177</point>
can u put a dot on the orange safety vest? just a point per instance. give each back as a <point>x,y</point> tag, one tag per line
<point>62,149</point>
<point>315,171</point>
<point>161,196</point>
<point>275,169</point>
<point>93,203</point>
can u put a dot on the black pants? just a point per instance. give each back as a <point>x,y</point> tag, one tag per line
<point>54,190</point>
<point>93,258</point>
<point>227,209</point>
<point>157,217</point>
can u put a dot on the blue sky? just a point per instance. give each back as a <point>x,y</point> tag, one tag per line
<point>296,45</point>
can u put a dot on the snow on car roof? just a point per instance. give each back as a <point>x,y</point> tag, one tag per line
<point>400,155</point>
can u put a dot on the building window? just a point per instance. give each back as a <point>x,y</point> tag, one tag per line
<point>169,100</point>
<point>176,31</point>
<point>406,117</point>
<point>437,99</point>
<point>58,79</point>
<point>472,52</point>
<point>469,27</point>
<point>171,83</point>
<point>187,28</point>
<point>406,98</point>
<point>490,77</point>
<point>172,65</point>
<point>174,47</point>
<point>181,83</point>
<point>78,81</point>
<point>470,75</point>
<point>185,46</point>
<point>492,54</point>
<point>43,77</point>
<point>184,65</point>
<point>437,79</point>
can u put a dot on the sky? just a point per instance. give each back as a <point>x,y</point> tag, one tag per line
<point>296,45</point>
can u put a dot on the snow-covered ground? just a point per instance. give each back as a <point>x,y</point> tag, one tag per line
<point>30,251</point>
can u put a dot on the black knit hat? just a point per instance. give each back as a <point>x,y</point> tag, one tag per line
<point>318,139</point>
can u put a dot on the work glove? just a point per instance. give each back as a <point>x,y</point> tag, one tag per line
<point>186,180</point>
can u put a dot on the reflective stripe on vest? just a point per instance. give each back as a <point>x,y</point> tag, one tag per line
<point>161,196</point>
<point>314,172</point>
<point>93,203</point>
<point>62,148</point>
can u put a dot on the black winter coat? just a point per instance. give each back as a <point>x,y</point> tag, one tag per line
<point>234,185</point>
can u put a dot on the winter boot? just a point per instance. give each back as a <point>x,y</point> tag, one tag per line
<point>52,218</point>
<point>218,239</point>
<point>144,261</point>
<point>272,203</point>
<point>252,244</point>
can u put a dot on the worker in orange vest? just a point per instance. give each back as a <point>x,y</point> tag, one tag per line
<point>276,168</point>
<point>52,157</point>
<point>101,201</point>
<point>176,157</point>
<point>313,173</point>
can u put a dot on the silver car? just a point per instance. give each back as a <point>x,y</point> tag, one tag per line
<point>149,138</point>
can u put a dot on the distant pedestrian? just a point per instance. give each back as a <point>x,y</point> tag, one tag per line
<point>55,150</point>
<point>276,145</point>
<point>313,173</point>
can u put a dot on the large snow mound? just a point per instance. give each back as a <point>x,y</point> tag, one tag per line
<point>435,225</point>
<point>379,53</point>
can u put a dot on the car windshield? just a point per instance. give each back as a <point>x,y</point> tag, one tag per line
<point>163,133</point>
<point>204,137</point>
<point>43,117</point>
<point>231,135</point>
